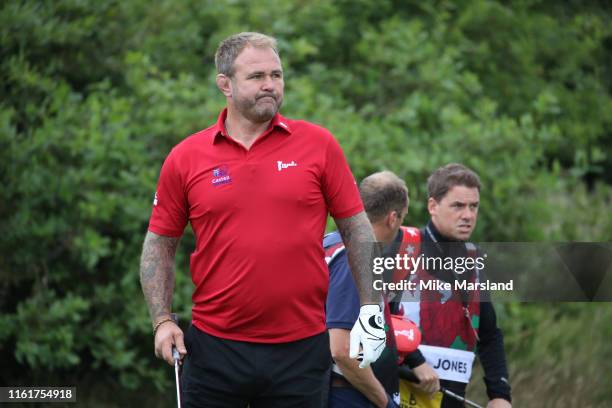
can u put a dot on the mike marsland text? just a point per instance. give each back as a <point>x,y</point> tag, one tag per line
<point>438,285</point>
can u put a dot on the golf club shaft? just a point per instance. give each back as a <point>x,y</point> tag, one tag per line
<point>176,376</point>
<point>459,398</point>
<point>177,357</point>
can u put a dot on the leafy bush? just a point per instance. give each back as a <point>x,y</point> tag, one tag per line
<point>95,94</point>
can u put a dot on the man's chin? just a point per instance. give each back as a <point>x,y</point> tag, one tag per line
<point>463,235</point>
<point>264,115</point>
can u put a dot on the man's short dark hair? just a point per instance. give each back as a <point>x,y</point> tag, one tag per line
<point>449,176</point>
<point>382,193</point>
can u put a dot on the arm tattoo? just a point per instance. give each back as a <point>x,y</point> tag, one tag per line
<point>358,238</point>
<point>157,273</point>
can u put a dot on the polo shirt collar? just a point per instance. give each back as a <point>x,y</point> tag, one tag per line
<point>278,121</point>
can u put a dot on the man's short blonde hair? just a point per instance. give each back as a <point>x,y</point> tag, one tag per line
<point>382,193</point>
<point>232,46</point>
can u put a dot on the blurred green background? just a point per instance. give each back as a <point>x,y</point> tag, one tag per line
<point>94,94</point>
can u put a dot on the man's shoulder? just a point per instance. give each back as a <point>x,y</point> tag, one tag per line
<point>194,143</point>
<point>305,128</point>
<point>410,233</point>
<point>198,137</point>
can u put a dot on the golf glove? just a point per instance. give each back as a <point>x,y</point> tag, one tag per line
<point>369,331</point>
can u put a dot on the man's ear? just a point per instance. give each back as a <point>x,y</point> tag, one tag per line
<point>224,84</point>
<point>390,219</point>
<point>432,206</point>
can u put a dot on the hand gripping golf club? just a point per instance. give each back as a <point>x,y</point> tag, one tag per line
<point>406,373</point>
<point>407,339</point>
<point>176,356</point>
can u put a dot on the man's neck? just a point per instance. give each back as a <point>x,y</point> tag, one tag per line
<point>383,234</point>
<point>243,130</point>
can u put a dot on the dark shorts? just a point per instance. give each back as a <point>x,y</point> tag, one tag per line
<point>226,373</point>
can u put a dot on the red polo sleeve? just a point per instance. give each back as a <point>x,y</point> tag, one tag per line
<point>339,186</point>
<point>170,209</point>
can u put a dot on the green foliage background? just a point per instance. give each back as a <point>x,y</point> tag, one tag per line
<point>94,95</point>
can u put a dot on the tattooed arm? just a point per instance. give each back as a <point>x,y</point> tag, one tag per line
<point>368,333</point>
<point>157,281</point>
<point>157,274</point>
<point>358,238</point>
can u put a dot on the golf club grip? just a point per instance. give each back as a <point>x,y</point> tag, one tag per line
<point>405,373</point>
<point>175,353</point>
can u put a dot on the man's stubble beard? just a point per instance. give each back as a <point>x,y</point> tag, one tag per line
<point>250,110</point>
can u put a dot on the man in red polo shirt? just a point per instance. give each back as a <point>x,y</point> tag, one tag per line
<point>256,188</point>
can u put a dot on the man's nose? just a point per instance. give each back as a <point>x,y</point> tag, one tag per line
<point>268,83</point>
<point>468,213</point>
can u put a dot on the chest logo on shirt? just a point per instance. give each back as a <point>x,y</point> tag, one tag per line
<point>281,166</point>
<point>221,176</point>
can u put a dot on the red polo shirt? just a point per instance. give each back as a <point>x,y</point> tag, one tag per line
<point>259,216</point>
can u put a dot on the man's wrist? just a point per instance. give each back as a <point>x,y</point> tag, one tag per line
<point>161,320</point>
